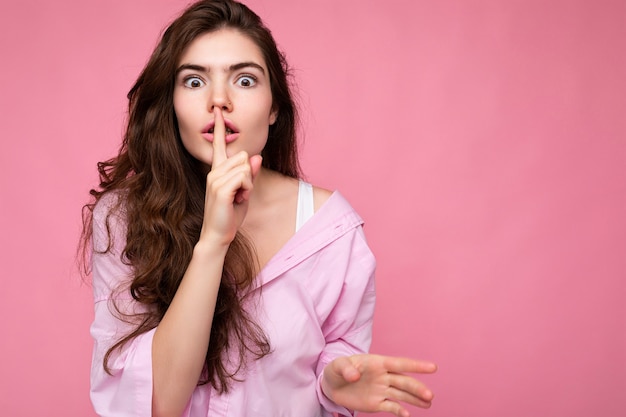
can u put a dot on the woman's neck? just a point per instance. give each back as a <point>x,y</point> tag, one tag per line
<point>269,186</point>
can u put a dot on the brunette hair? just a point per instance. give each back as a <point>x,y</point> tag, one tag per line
<point>161,187</point>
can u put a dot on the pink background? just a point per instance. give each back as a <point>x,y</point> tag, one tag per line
<point>483,141</point>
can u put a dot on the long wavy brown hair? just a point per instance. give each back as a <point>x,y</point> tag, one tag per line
<point>161,189</point>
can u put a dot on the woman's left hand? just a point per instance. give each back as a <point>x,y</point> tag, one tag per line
<point>373,383</point>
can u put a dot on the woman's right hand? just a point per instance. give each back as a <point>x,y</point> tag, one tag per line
<point>373,383</point>
<point>228,188</point>
<point>181,340</point>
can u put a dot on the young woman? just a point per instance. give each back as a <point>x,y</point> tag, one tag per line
<point>223,284</point>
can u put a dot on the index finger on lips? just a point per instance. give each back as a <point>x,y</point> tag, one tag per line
<point>219,138</point>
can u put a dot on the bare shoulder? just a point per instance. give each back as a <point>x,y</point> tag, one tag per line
<point>320,196</point>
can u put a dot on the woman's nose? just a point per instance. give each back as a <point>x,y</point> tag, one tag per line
<point>220,98</point>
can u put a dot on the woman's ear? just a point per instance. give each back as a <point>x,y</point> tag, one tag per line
<point>273,116</point>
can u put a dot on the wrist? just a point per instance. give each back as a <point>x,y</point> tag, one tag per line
<point>324,386</point>
<point>209,251</point>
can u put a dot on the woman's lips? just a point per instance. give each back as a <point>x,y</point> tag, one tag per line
<point>228,139</point>
<point>232,133</point>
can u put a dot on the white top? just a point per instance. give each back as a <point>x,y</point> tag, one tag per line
<point>306,206</point>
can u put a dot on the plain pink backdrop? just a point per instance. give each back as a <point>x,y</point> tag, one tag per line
<point>483,141</point>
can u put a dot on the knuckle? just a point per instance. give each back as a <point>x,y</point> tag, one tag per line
<point>243,157</point>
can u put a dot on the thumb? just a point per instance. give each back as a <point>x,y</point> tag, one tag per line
<point>346,369</point>
<point>255,165</point>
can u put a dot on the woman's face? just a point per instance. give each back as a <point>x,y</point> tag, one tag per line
<point>223,69</point>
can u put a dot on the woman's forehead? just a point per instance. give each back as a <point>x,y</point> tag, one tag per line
<point>222,49</point>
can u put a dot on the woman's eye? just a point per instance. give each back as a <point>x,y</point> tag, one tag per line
<point>193,82</point>
<point>246,81</point>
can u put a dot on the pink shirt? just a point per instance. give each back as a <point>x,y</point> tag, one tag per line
<point>316,304</point>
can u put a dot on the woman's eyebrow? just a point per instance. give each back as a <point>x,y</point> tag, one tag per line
<point>191,67</point>
<point>234,67</point>
<point>246,64</point>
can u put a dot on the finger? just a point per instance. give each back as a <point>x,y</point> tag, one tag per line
<point>240,158</point>
<point>406,397</point>
<point>235,186</point>
<point>394,408</point>
<point>401,365</point>
<point>411,386</point>
<point>255,164</point>
<point>235,179</point>
<point>351,374</point>
<point>219,138</point>
<point>344,368</point>
<point>243,193</point>
<point>255,167</point>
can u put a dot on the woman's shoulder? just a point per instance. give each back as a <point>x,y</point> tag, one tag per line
<point>109,218</point>
<point>111,202</point>
<point>320,196</point>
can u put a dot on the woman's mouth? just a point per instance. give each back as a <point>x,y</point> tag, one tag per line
<point>231,132</point>
<point>228,130</point>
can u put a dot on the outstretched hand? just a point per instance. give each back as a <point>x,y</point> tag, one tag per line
<point>372,383</point>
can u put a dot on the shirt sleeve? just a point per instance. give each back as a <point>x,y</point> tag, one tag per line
<point>127,390</point>
<point>348,328</point>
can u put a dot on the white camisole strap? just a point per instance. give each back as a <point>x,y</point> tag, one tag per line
<point>306,206</point>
